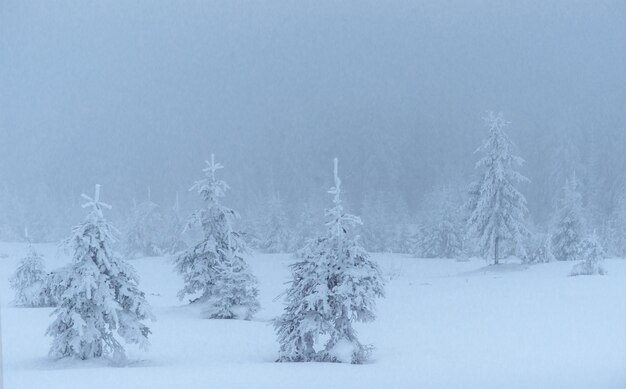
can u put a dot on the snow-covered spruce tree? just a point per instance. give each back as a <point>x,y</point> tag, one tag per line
<point>335,284</point>
<point>497,208</point>
<point>29,281</point>
<point>214,270</point>
<point>144,230</point>
<point>591,253</point>
<point>569,223</point>
<point>441,230</point>
<point>277,236</point>
<point>102,304</point>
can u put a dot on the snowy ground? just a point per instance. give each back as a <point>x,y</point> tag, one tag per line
<point>444,324</point>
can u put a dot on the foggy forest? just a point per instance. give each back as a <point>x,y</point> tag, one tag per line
<point>198,189</point>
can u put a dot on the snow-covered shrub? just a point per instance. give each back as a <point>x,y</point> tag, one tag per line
<point>497,209</point>
<point>591,254</point>
<point>102,304</point>
<point>29,281</point>
<point>215,268</point>
<point>569,223</point>
<point>335,284</point>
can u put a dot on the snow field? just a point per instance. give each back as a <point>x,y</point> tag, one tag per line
<point>443,324</point>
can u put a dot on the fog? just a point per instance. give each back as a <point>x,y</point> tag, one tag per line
<point>136,95</point>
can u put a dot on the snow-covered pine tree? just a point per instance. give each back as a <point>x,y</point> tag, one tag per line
<point>102,304</point>
<point>497,208</point>
<point>214,270</point>
<point>144,230</point>
<point>569,223</point>
<point>335,284</point>
<point>441,231</point>
<point>277,236</point>
<point>29,280</point>
<point>591,253</point>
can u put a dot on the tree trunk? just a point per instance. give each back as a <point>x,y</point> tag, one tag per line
<point>496,251</point>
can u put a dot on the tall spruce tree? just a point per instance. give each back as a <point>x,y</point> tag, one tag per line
<point>569,223</point>
<point>214,270</point>
<point>497,208</point>
<point>101,305</point>
<point>335,284</point>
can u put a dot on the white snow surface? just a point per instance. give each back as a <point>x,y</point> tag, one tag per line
<point>444,324</point>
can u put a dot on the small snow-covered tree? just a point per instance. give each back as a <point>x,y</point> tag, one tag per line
<point>277,236</point>
<point>497,208</point>
<point>335,284</point>
<point>569,223</point>
<point>29,281</point>
<point>144,230</point>
<point>214,270</point>
<point>441,229</point>
<point>101,305</point>
<point>591,254</point>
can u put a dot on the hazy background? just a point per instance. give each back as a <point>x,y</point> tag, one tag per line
<point>137,94</point>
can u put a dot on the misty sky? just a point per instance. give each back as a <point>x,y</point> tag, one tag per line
<point>133,94</point>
